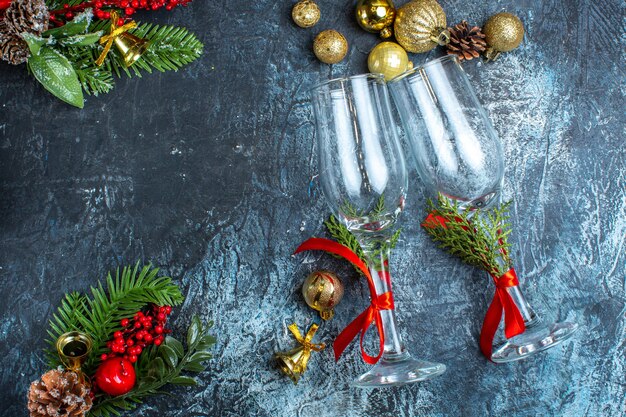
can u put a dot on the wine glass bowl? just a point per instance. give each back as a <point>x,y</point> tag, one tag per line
<point>456,149</point>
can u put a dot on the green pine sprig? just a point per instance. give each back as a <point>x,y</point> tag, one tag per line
<point>99,315</point>
<point>158,366</point>
<point>481,241</point>
<point>342,235</point>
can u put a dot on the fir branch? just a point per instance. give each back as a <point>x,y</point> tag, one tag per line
<point>342,235</point>
<point>100,315</point>
<point>160,366</point>
<point>481,242</point>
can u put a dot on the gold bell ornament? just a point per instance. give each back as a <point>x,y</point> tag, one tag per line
<point>376,16</point>
<point>73,349</point>
<point>420,25</point>
<point>503,33</point>
<point>293,362</point>
<point>130,46</point>
<point>389,59</point>
<point>305,13</point>
<point>322,291</point>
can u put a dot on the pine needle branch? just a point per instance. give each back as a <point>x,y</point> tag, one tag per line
<point>481,242</point>
<point>99,315</point>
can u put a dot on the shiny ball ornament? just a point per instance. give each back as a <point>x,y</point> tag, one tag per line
<point>389,59</point>
<point>503,33</point>
<point>115,376</point>
<point>322,291</point>
<point>376,16</point>
<point>330,46</point>
<point>420,25</point>
<point>305,13</point>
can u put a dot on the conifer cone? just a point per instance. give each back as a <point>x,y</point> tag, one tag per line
<point>59,393</point>
<point>27,16</point>
<point>13,49</point>
<point>466,42</point>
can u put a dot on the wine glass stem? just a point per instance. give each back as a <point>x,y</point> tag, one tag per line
<point>528,314</point>
<point>377,256</point>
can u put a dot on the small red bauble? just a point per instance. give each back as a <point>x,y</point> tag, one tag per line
<point>115,376</point>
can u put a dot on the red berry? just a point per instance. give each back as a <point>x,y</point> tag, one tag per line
<point>98,5</point>
<point>158,329</point>
<point>161,316</point>
<point>118,335</point>
<point>130,342</point>
<point>137,325</point>
<point>137,350</point>
<point>168,310</point>
<point>158,340</point>
<point>66,6</point>
<point>69,15</point>
<point>124,322</point>
<point>134,3</point>
<point>104,357</point>
<point>148,338</point>
<point>132,358</point>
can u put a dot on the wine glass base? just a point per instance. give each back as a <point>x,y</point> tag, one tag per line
<point>398,369</point>
<point>535,339</point>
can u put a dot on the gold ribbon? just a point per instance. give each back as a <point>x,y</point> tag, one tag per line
<point>306,344</point>
<point>114,33</point>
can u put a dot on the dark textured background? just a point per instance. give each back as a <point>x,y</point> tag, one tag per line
<point>206,172</point>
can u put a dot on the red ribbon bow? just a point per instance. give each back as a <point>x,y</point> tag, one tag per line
<point>371,314</point>
<point>502,301</point>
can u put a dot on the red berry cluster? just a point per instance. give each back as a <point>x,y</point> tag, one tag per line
<point>142,330</point>
<point>102,8</point>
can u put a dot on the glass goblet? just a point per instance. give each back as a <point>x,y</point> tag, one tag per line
<point>364,180</point>
<point>457,153</point>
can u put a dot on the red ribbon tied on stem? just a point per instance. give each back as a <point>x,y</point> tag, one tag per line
<point>370,315</point>
<point>502,301</point>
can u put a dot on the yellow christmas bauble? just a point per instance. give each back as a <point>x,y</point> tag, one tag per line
<point>330,46</point>
<point>503,32</point>
<point>376,16</point>
<point>420,26</point>
<point>389,59</point>
<point>322,291</point>
<point>305,13</point>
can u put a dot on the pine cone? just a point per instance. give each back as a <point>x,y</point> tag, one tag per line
<point>59,393</point>
<point>13,49</point>
<point>27,16</point>
<point>466,42</point>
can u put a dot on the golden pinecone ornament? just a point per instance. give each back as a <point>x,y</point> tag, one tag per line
<point>322,291</point>
<point>466,42</point>
<point>376,16</point>
<point>59,393</point>
<point>389,59</point>
<point>330,46</point>
<point>420,25</point>
<point>503,32</point>
<point>305,13</point>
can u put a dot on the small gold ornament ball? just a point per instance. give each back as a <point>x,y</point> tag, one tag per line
<point>389,59</point>
<point>330,46</point>
<point>322,291</point>
<point>305,13</point>
<point>503,32</point>
<point>376,16</point>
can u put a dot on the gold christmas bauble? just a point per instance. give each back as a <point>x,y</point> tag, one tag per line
<point>322,291</point>
<point>420,25</point>
<point>305,13</point>
<point>389,59</point>
<point>503,32</point>
<point>376,16</point>
<point>330,46</point>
